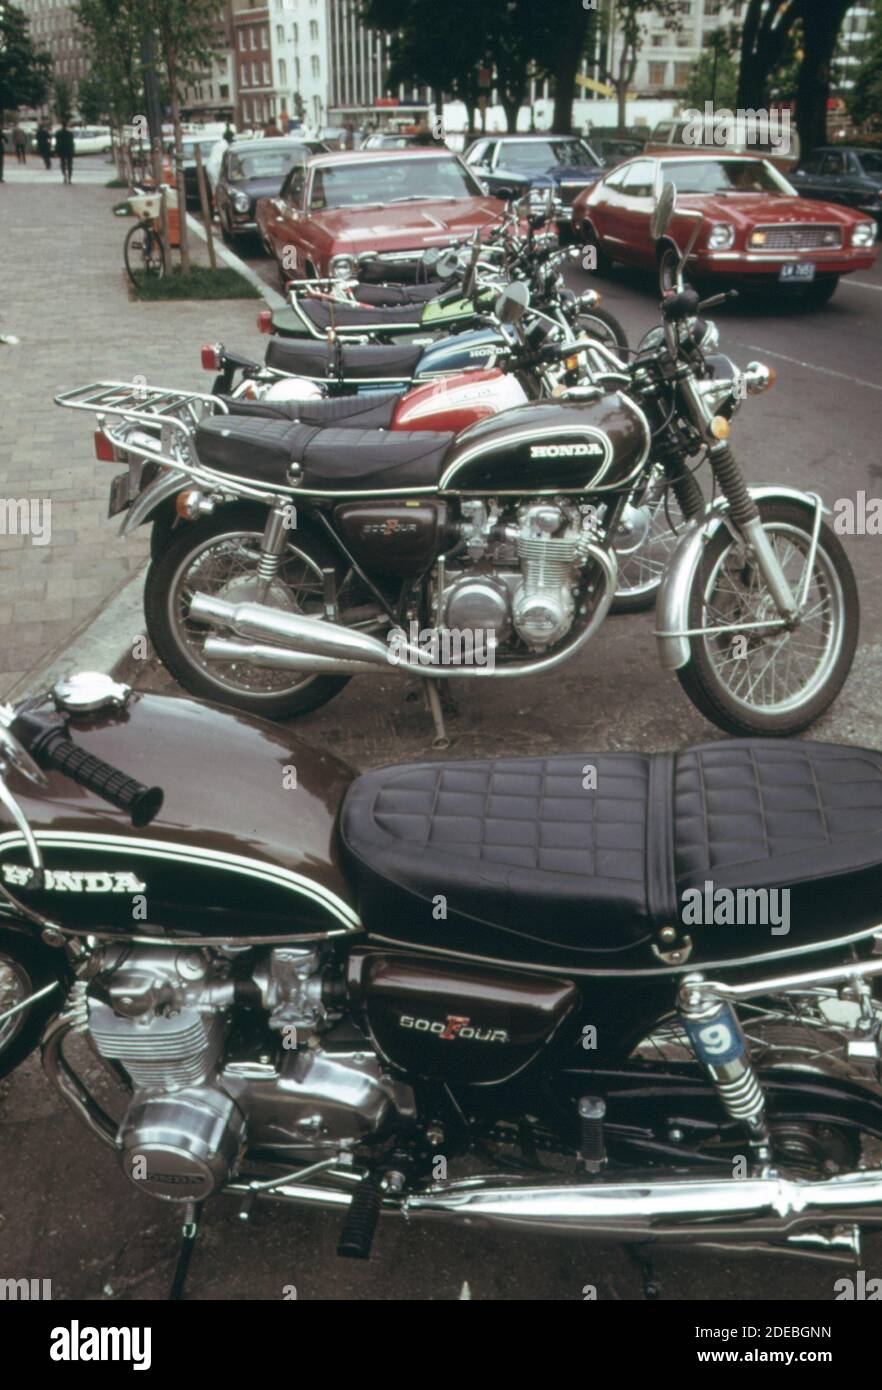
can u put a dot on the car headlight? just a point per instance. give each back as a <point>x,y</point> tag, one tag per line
<point>864,234</point>
<point>344,268</point>
<point>241,202</point>
<point>721,236</point>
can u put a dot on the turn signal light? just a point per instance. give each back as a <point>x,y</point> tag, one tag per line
<point>211,357</point>
<point>265,321</point>
<point>104,450</point>
<point>187,504</point>
<point>571,363</point>
<point>720,428</point>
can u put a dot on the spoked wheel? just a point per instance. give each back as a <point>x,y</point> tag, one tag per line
<point>219,556</point>
<point>771,680</point>
<point>144,253</point>
<point>646,536</point>
<point>24,969</point>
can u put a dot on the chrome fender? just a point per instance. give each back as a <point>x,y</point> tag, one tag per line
<point>169,482</point>
<point>672,606</point>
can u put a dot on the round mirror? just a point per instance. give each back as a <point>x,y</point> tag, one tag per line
<point>663,211</point>
<point>512,303</point>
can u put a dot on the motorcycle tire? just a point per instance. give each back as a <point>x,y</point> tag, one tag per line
<point>790,524</point>
<point>614,336</point>
<point>237,523</point>
<point>26,966</point>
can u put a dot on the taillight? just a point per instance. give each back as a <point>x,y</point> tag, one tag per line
<point>104,450</point>
<point>265,321</point>
<point>211,357</point>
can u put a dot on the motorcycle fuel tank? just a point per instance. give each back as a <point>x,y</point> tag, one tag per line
<point>455,402</point>
<point>456,1023</point>
<point>459,353</point>
<point>244,845</point>
<point>552,446</point>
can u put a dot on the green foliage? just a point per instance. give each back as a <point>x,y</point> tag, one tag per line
<point>112,33</point>
<point>200,283</point>
<point>24,70</point>
<point>92,99</point>
<point>701,86</point>
<point>865,98</point>
<point>62,99</point>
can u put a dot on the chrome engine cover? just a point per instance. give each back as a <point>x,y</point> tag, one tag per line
<point>183,1145</point>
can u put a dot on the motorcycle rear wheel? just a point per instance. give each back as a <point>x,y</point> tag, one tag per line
<point>24,969</point>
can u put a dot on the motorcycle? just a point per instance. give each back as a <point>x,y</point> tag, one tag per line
<point>282,1012</point>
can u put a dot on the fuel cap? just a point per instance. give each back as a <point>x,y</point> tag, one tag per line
<point>89,691</point>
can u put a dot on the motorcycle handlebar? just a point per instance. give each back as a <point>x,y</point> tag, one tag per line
<point>49,746</point>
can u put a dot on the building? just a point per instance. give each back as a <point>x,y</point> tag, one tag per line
<point>54,27</point>
<point>212,96</point>
<point>300,62</point>
<point>251,59</point>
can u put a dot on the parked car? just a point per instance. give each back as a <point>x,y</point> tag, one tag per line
<point>397,140</point>
<point>756,229</point>
<point>254,169</point>
<point>91,139</point>
<point>191,179</point>
<point>718,137</point>
<point>344,209</point>
<point>843,174</point>
<point>510,165</point>
<point>615,149</point>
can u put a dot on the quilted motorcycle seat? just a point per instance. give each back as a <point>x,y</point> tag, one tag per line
<point>319,360</point>
<point>579,860</point>
<point>371,411</point>
<point>332,460</point>
<point>398,294</point>
<point>324,315</point>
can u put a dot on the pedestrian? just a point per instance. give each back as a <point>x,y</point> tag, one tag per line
<point>20,141</point>
<point>2,137</point>
<point>229,134</point>
<point>271,131</point>
<point>44,144</point>
<point>65,149</point>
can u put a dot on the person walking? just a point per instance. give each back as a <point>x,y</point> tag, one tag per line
<point>44,144</point>
<point>65,149</point>
<point>20,142</point>
<point>2,147</point>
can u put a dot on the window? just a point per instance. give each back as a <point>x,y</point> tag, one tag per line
<point>242,40</point>
<point>314,65</point>
<point>657,74</point>
<point>253,39</point>
<point>295,34</point>
<point>280,33</point>
<point>264,38</point>
<point>834,164</point>
<point>292,188</point>
<point>712,6</point>
<point>638,179</point>
<point>267,76</point>
<point>617,178</point>
<point>659,40</point>
<point>681,74</point>
<point>313,29</point>
<point>283,73</point>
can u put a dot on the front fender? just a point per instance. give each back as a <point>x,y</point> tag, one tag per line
<point>672,606</point>
<point>168,484</point>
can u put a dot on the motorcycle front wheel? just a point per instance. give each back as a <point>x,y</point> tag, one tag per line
<point>605,327</point>
<point>219,556</point>
<point>771,682</point>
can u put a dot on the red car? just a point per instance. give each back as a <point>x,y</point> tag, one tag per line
<point>756,231</point>
<point>343,209</point>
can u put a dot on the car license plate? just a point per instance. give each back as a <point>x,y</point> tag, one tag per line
<point>802,271</point>
<point>119,494</point>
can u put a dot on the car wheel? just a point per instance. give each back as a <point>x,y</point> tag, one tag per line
<point>820,293</point>
<point>591,242</point>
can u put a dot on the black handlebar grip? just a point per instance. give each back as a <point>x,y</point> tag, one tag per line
<point>50,748</point>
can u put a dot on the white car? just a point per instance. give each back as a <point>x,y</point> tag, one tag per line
<point>92,139</point>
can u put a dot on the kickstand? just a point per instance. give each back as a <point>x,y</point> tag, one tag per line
<point>189,1232</point>
<point>433,703</point>
<point>651,1282</point>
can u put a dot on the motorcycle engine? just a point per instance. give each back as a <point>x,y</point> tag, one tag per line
<point>308,1087</point>
<point>522,573</point>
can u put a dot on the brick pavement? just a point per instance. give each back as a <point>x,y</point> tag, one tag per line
<point>63,293</point>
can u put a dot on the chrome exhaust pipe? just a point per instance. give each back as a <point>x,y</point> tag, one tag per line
<point>314,637</point>
<point>280,659</point>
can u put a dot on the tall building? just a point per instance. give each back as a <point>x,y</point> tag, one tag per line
<point>212,95</point>
<point>252,62</point>
<point>54,27</point>
<point>301,68</point>
<point>359,66</point>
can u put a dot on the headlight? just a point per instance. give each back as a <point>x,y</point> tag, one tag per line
<point>241,202</point>
<point>864,234</point>
<point>721,236</point>
<point>344,268</point>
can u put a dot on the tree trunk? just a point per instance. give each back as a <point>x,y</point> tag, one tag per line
<point>179,163</point>
<point>621,86</point>
<point>572,49</point>
<point>511,106</point>
<point>820,33</point>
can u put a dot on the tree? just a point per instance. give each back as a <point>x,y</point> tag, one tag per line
<point>820,28</point>
<point>625,24</point>
<point>767,28</point>
<point>714,77</point>
<point>865,98</point>
<point>62,99</point>
<point>92,99</point>
<point>562,32</point>
<point>24,70</point>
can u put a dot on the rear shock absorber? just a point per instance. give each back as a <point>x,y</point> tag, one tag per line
<point>713,1029</point>
<point>272,547</point>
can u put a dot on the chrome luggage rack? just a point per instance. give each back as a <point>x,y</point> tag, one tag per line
<point>165,421</point>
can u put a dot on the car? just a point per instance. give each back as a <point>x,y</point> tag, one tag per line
<point>91,139</point>
<point>720,136</point>
<point>843,174</point>
<point>510,165</point>
<point>756,231</point>
<point>343,210</point>
<point>251,170</point>
<point>397,140</point>
<point>206,145</point>
<point>614,149</point>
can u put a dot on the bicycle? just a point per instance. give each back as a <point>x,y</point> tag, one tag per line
<point>143,251</point>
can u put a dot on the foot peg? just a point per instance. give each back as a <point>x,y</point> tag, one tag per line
<point>592,1150</point>
<point>362,1215</point>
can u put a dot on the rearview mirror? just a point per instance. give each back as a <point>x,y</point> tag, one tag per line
<point>447,264</point>
<point>512,303</point>
<point>663,211</point>
<point>431,258</point>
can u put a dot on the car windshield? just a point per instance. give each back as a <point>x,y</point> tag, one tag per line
<point>545,154</point>
<point>872,163</point>
<point>263,164</point>
<point>724,176</point>
<point>206,146</point>
<point>372,182</point>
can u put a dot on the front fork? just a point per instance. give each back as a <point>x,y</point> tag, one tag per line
<point>720,1046</point>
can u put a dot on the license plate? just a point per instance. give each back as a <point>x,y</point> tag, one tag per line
<point>120,497</point>
<point>802,271</point>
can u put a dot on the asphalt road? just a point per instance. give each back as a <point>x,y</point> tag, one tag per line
<point>67,1212</point>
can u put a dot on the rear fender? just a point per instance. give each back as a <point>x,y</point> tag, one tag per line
<point>167,485</point>
<point>672,608</point>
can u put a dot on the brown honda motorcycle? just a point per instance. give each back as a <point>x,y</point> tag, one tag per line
<point>460,990</point>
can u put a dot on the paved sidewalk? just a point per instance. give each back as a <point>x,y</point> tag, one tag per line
<point>63,293</point>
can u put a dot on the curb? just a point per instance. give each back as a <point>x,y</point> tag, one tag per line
<point>101,645</point>
<point>272,297</point>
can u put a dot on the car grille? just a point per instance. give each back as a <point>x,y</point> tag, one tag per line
<point>807,238</point>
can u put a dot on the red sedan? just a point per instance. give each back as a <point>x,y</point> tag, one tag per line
<point>341,210</point>
<point>756,230</point>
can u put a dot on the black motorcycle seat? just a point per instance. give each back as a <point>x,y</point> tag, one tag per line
<point>320,360</point>
<point>373,410</point>
<point>398,294</point>
<point>332,459</point>
<point>582,859</point>
<point>324,314</point>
